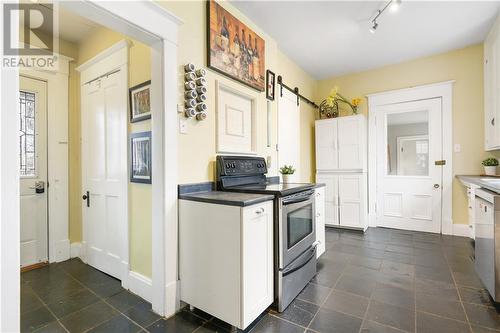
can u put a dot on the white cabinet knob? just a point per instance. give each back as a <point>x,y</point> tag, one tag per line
<point>260,211</point>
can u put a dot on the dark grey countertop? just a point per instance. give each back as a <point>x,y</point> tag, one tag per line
<point>489,183</point>
<point>227,198</point>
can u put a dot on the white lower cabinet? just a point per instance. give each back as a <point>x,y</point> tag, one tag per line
<point>345,199</point>
<point>226,259</point>
<point>320,220</point>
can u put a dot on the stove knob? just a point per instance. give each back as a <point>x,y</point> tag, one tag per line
<point>233,165</point>
<point>228,165</point>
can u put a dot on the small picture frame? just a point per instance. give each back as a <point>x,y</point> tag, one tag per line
<point>270,84</point>
<point>140,157</point>
<point>140,102</point>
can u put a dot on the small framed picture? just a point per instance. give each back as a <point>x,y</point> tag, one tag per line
<point>140,157</point>
<point>140,102</point>
<point>270,78</point>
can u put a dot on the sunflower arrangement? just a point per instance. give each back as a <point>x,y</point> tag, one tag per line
<point>329,108</point>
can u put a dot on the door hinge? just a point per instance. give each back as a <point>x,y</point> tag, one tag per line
<point>277,147</point>
<point>440,162</point>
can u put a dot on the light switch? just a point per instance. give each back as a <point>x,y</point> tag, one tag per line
<point>183,126</point>
<point>268,162</point>
<point>457,148</point>
<point>180,108</point>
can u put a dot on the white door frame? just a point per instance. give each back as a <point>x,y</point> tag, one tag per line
<point>57,153</point>
<point>153,25</point>
<point>442,90</point>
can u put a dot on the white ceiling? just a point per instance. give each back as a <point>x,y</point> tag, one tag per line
<point>331,38</point>
<point>72,28</point>
<point>404,118</point>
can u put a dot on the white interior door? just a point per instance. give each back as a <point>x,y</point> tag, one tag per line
<point>33,171</point>
<point>409,197</point>
<point>289,132</point>
<point>104,171</point>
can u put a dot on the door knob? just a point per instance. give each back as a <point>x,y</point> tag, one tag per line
<point>436,185</point>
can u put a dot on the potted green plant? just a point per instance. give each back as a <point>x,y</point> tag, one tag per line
<point>286,171</point>
<point>490,166</point>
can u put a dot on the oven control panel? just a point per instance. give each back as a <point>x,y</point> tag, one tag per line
<point>240,165</point>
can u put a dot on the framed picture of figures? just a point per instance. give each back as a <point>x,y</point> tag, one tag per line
<point>234,49</point>
<point>140,102</point>
<point>140,158</point>
<point>270,77</point>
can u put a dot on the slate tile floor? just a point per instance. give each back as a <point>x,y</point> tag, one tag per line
<point>381,281</point>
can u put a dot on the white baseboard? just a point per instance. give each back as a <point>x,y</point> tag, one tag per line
<point>61,251</point>
<point>76,250</point>
<point>461,230</point>
<point>140,285</point>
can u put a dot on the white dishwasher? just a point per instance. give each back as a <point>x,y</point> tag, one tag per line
<point>487,247</point>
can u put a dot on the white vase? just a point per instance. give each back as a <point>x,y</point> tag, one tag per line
<point>286,178</point>
<point>490,170</point>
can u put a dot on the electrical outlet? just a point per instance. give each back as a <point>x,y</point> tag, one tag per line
<point>457,148</point>
<point>268,161</point>
<point>183,126</point>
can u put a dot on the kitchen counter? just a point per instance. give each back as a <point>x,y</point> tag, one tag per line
<point>227,198</point>
<point>489,183</point>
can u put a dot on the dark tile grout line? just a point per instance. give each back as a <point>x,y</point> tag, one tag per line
<point>104,300</point>
<point>51,312</point>
<point>458,292</point>
<point>85,307</point>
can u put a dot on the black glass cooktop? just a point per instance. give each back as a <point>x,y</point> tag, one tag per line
<point>272,188</point>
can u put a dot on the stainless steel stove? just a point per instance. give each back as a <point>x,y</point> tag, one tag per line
<point>294,221</point>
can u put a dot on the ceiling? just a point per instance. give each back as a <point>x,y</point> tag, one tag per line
<point>332,38</point>
<point>72,28</point>
<point>405,118</point>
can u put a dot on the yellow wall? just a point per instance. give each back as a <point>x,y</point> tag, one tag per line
<point>197,149</point>
<point>139,194</point>
<point>466,67</point>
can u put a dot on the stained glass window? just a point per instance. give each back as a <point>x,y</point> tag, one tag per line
<point>27,134</point>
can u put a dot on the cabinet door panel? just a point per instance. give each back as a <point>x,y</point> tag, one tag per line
<point>350,137</point>
<point>257,261</point>
<point>331,189</point>
<point>351,197</point>
<point>326,145</point>
<point>331,214</point>
<point>491,82</point>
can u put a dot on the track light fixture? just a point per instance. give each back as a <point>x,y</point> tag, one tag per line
<point>393,5</point>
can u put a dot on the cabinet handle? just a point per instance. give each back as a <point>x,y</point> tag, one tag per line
<point>318,215</point>
<point>260,211</point>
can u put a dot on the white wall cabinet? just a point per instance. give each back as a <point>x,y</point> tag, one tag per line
<point>320,220</point>
<point>341,143</point>
<point>491,87</point>
<point>226,259</point>
<point>341,165</point>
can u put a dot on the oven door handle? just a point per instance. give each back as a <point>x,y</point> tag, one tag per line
<point>293,201</point>
<point>312,254</point>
